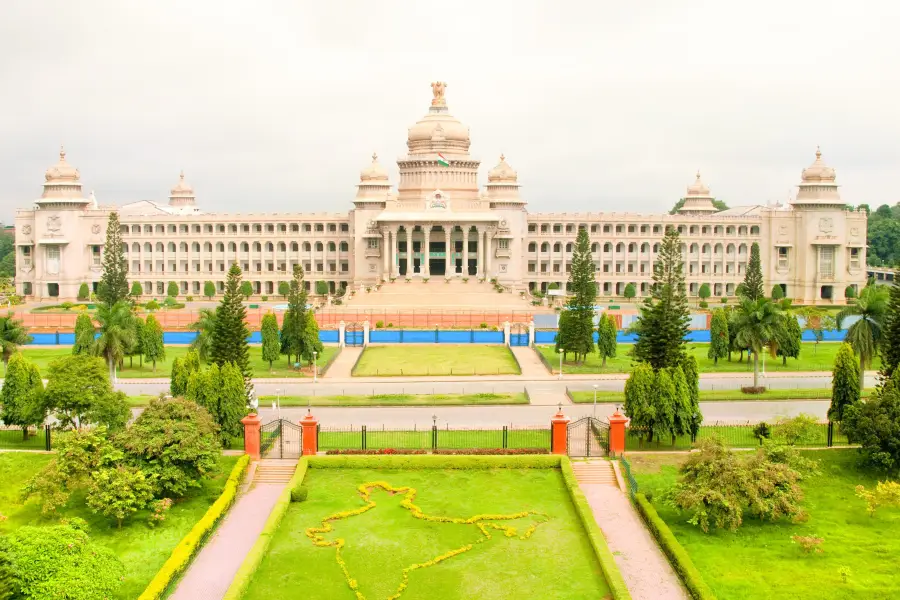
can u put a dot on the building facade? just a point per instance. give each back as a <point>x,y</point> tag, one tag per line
<point>439,222</point>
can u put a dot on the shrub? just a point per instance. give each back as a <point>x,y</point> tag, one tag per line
<point>425,279</point>
<point>886,493</point>
<point>801,429</point>
<point>264,298</point>
<point>83,292</point>
<point>379,324</point>
<point>761,431</point>
<point>875,425</point>
<point>354,452</point>
<point>483,325</point>
<point>299,493</point>
<point>321,288</point>
<point>465,280</point>
<point>158,510</point>
<point>172,289</point>
<point>152,305</point>
<point>189,298</point>
<point>808,543</point>
<point>492,451</point>
<point>66,305</point>
<point>119,492</point>
<point>749,389</point>
<point>724,300</point>
<point>704,304</point>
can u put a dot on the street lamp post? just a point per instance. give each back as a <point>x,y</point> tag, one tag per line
<point>278,401</point>
<point>595,401</point>
<point>560,363</point>
<point>315,366</point>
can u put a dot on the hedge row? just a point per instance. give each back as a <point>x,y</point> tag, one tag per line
<point>242,578</point>
<point>444,452</point>
<point>607,563</point>
<point>678,556</point>
<point>190,544</point>
<point>433,461</point>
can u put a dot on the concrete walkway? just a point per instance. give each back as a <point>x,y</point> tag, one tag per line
<point>215,566</point>
<point>343,364</point>
<point>647,572</point>
<point>532,367</point>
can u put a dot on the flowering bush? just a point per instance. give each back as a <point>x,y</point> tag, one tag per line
<point>379,451</point>
<point>493,451</point>
<point>158,510</point>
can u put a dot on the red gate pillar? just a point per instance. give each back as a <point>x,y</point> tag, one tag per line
<point>309,424</point>
<point>617,433</point>
<point>559,443</point>
<point>251,435</point>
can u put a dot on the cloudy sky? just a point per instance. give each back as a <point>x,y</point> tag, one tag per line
<point>276,105</point>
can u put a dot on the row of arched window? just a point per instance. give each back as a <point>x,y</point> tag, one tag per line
<point>645,248</point>
<point>233,247</point>
<point>237,228</point>
<point>571,228</point>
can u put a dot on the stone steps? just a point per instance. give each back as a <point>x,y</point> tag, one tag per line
<point>598,472</point>
<point>277,471</point>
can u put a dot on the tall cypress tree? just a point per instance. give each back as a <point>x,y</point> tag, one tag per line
<point>293,328</point>
<point>663,323</point>
<point>719,341</point>
<point>890,340</point>
<point>844,382</point>
<point>113,282</point>
<point>271,345</point>
<point>753,279</point>
<point>606,337</point>
<point>229,336</point>
<point>579,339</point>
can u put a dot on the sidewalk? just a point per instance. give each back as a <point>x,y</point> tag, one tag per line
<point>342,366</point>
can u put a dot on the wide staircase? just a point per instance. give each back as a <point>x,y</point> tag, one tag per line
<point>594,472</point>
<point>438,294</point>
<point>275,471</point>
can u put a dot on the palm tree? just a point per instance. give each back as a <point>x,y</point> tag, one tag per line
<point>865,334</point>
<point>117,334</point>
<point>12,335</point>
<point>756,322</point>
<point>204,326</point>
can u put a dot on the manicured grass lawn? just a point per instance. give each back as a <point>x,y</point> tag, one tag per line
<point>555,562</point>
<point>400,400</point>
<point>469,359</point>
<point>760,560</point>
<point>721,395</point>
<point>14,439</point>
<point>142,549</point>
<point>42,357</point>
<point>737,436</point>
<point>376,439</point>
<point>811,359</point>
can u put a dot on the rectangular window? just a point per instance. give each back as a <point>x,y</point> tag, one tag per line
<point>826,261</point>
<point>53,260</point>
<point>503,244</point>
<point>373,243</point>
<point>95,255</point>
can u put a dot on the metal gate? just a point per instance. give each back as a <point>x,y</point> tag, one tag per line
<point>353,334</point>
<point>280,439</point>
<point>518,334</point>
<point>588,436</point>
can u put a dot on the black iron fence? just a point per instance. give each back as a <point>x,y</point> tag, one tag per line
<point>745,434</point>
<point>432,438</point>
<point>31,438</point>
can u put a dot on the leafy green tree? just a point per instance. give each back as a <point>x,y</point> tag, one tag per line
<point>204,326</point>
<point>704,292</point>
<point>844,382</point>
<point>229,336</point>
<point>84,292</point>
<point>890,342</point>
<point>817,321</point>
<point>209,289</point>
<point>84,334</point>
<point>875,426</point>
<point>777,292</point>
<point>640,390</point>
<point>663,323</point>
<point>61,561</point>
<point>175,442</point>
<point>284,288</point>
<point>178,378</point>
<point>753,279</point>
<point>788,337</point>
<point>866,333</point>
<point>246,289</point>
<point>757,322</point>
<point>137,290</point>
<point>78,390</point>
<point>719,341</point>
<point>113,287</point>
<point>293,327</point>
<point>152,337</point>
<point>119,492</point>
<point>117,334</point>
<point>629,292</point>
<point>271,344</point>
<point>12,335</point>
<point>850,292</point>
<point>21,402</point>
<point>232,404</point>
<point>606,337</point>
<point>582,297</point>
<point>563,331</point>
<point>172,289</point>
<point>321,288</point>
<point>191,361</point>
<point>694,417</point>
<point>203,388</point>
<point>137,349</point>
<point>312,345</point>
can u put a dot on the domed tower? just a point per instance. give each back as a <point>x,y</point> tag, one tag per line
<point>697,201</point>
<point>502,188</point>
<point>818,189</point>
<point>438,156</point>
<point>373,185</point>
<point>182,196</point>
<point>62,187</point>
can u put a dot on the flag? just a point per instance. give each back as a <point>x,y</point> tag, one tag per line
<point>443,161</point>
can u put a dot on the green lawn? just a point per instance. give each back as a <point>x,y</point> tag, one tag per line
<point>721,395</point>
<point>738,436</point>
<point>11,438</point>
<point>43,356</point>
<point>760,560</point>
<point>402,359</point>
<point>377,439</point>
<point>143,549</point>
<point>555,562</point>
<point>811,359</point>
<point>400,400</point>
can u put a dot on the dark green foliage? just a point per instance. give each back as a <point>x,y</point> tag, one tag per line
<point>663,323</point>
<point>79,391</point>
<point>788,337</point>
<point>704,292</point>
<point>12,335</point>
<point>203,387</point>
<point>293,327</point>
<point>312,345</point>
<point>629,292</point>
<point>321,288</point>
<point>692,379</point>
<point>137,290</point>
<point>777,292</point>
<point>719,338</point>
<point>582,288</point>
<point>232,406</point>
<point>606,336</point>
<point>204,326</point>
<point>844,382</point>
<point>890,343</point>
<point>271,344</point>
<point>867,333</point>
<point>884,236</point>
<point>762,432</point>
<point>172,289</point>
<point>113,285</point>
<point>209,289</point>
<point>229,336</point>
<point>299,493</point>
<point>284,288</point>
<point>61,561</point>
<point>178,379</point>
<point>246,289</point>
<point>850,292</point>
<point>640,405</point>
<point>84,334</point>
<point>21,396</point>
<point>753,280</point>
<point>84,292</point>
<point>756,324</point>
<point>875,425</point>
<point>174,441</point>
<point>152,341</point>
<point>119,492</point>
<point>118,334</point>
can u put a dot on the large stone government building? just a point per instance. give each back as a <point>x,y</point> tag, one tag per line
<point>439,223</point>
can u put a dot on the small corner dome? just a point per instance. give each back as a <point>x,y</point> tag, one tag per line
<point>374,172</point>
<point>62,171</point>
<point>182,188</point>
<point>818,171</point>
<point>698,188</point>
<point>502,172</point>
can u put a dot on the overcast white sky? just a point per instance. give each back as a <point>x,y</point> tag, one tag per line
<point>276,105</point>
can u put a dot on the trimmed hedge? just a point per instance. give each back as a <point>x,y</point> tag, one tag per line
<point>190,544</point>
<point>433,461</point>
<point>605,557</point>
<point>678,556</point>
<point>443,452</point>
<point>244,576</point>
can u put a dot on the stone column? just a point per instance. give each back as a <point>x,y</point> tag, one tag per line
<point>558,434</point>
<point>385,253</point>
<point>448,234</point>
<point>479,265</point>
<point>531,334</point>
<point>342,328</point>
<point>465,252</point>
<point>365,333</point>
<point>309,435</point>
<point>487,253</point>
<point>506,340</point>
<point>425,252</point>
<point>395,266</point>
<point>251,435</point>
<point>617,433</point>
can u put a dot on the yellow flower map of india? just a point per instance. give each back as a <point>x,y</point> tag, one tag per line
<point>478,529</point>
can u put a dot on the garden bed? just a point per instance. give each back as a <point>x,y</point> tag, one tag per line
<point>435,359</point>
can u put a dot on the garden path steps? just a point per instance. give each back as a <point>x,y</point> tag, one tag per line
<point>213,569</point>
<point>344,362</point>
<point>598,472</point>
<point>646,571</point>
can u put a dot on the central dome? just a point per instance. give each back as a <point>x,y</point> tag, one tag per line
<point>438,131</point>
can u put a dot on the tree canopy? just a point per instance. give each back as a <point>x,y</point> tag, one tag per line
<point>113,285</point>
<point>753,279</point>
<point>229,335</point>
<point>582,288</point>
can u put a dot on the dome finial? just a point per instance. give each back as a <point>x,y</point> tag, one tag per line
<point>181,175</point>
<point>374,157</point>
<point>698,174</point>
<point>502,157</point>
<point>62,152</point>
<point>818,152</point>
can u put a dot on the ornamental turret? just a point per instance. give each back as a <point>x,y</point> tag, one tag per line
<point>697,200</point>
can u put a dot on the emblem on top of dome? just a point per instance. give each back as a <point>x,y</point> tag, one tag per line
<point>438,88</point>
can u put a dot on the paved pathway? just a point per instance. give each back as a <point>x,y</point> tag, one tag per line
<point>532,367</point>
<point>646,571</point>
<point>343,364</point>
<point>215,566</point>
